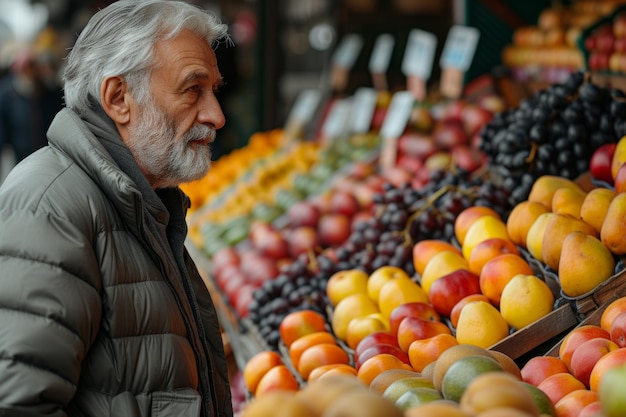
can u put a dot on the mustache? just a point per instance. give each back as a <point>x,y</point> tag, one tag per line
<point>200,132</point>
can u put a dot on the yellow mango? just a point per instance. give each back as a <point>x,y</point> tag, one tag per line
<point>568,201</point>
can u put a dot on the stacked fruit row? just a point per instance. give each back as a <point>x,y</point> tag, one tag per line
<point>604,43</point>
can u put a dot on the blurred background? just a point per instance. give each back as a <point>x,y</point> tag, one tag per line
<point>281,47</point>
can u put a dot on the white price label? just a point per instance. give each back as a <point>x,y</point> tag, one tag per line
<point>419,54</point>
<point>398,114</point>
<point>458,51</point>
<point>363,106</point>
<point>305,106</point>
<point>381,54</point>
<point>348,50</point>
<point>337,118</point>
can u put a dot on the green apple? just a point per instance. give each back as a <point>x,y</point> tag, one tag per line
<point>612,392</point>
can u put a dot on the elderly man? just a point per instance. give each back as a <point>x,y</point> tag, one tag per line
<point>102,310</point>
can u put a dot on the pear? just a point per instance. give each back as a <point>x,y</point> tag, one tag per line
<point>559,226</point>
<point>614,225</point>
<point>568,200</point>
<point>595,206</point>
<point>534,236</point>
<point>585,263</point>
<point>545,186</point>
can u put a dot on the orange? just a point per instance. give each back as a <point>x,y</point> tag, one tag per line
<point>298,323</point>
<point>611,311</point>
<point>377,364</point>
<point>325,371</point>
<point>258,365</point>
<point>305,342</point>
<point>279,378</point>
<point>321,354</point>
<point>424,351</point>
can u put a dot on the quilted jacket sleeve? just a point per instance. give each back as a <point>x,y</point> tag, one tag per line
<point>49,310</point>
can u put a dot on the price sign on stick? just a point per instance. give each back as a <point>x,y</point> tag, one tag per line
<point>343,60</point>
<point>456,58</point>
<point>302,112</point>
<point>362,111</point>
<point>393,126</point>
<point>418,61</point>
<point>379,61</point>
<point>336,122</point>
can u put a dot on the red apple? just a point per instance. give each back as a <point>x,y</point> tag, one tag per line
<point>223,257</point>
<point>620,179</point>
<point>620,45</point>
<point>600,162</point>
<point>227,274</point>
<point>343,202</point>
<point>271,243</point>
<point>301,240</point>
<point>618,330</point>
<point>468,157</point>
<point>414,328</point>
<point>374,339</point>
<point>257,267</point>
<point>599,61</point>
<point>378,118</point>
<point>419,145</point>
<point>334,229</point>
<point>303,213</point>
<point>452,111</point>
<point>411,163</point>
<point>587,354</point>
<point>605,42</point>
<point>447,291</point>
<point>474,117</point>
<point>413,309</point>
<point>449,134</point>
<point>241,299</point>
<point>396,175</point>
<point>378,349</point>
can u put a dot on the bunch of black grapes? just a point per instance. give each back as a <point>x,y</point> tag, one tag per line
<point>403,216</point>
<point>553,132</point>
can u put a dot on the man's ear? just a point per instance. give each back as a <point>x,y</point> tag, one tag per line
<point>113,93</point>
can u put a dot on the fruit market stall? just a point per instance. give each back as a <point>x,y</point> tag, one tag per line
<point>489,240</point>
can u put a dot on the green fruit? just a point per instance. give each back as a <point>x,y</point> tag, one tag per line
<point>416,397</point>
<point>462,372</point>
<point>541,399</point>
<point>612,392</point>
<point>397,388</point>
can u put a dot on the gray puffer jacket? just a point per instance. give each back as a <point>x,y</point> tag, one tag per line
<point>102,311</point>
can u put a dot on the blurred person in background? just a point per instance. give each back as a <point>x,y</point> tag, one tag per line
<point>28,103</point>
<point>103,312</point>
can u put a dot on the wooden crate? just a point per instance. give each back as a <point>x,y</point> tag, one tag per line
<point>544,336</point>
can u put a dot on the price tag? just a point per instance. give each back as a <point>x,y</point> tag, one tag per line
<point>458,51</point>
<point>343,60</point>
<point>419,54</point>
<point>337,119</point>
<point>363,106</point>
<point>379,60</point>
<point>393,126</point>
<point>347,52</point>
<point>302,112</point>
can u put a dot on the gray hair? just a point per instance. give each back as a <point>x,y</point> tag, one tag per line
<point>119,40</point>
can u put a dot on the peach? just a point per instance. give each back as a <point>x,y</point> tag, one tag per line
<point>559,385</point>
<point>425,351</point>
<point>497,272</point>
<point>487,250</point>
<point>440,265</point>
<point>466,218</point>
<point>611,311</point>
<point>572,404</point>
<point>415,328</point>
<point>592,409</point>
<point>425,249</point>
<point>483,228</point>
<point>576,337</point>
<point>539,368</point>
<point>587,355</point>
<point>612,359</point>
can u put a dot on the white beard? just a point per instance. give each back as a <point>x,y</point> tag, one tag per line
<point>165,161</point>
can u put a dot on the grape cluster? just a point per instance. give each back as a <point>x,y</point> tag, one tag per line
<point>403,216</point>
<point>555,132</point>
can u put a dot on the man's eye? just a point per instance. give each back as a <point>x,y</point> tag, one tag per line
<point>194,89</point>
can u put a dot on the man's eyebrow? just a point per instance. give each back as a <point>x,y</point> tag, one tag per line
<point>198,75</point>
